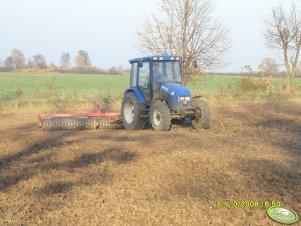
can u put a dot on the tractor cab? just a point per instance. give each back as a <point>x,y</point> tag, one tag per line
<point>157,93</point>
<point>158,77</point>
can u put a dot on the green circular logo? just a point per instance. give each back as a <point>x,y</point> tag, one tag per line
<point>282,215</point>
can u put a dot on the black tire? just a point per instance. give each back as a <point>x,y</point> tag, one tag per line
<point>137,122</point>
<point>160,116</point>
<point>202,119</point>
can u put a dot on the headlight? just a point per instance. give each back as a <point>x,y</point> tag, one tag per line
<point>184,98</point>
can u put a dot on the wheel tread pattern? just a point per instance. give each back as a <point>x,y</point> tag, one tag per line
<point>165,116</point>
<point>204,121</point>
<point>139,122</point>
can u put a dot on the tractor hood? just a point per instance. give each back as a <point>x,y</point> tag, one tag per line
<point>177,89</point>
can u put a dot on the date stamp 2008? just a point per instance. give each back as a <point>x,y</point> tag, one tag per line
<point>246,204</point>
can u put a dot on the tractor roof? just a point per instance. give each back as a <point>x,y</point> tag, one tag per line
<point>154,58</point>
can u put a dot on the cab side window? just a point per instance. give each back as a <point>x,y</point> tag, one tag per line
<point>134,74</point>
<point>144,75</point>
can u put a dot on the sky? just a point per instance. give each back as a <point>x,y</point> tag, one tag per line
<point>107,29</point>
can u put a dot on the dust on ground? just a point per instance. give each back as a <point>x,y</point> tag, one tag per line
<point>118,177</point>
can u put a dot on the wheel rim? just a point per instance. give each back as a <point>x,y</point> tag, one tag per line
<point>129,112</point>
<point>157,117</point>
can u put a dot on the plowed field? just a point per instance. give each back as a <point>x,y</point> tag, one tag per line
<point>118,177</point>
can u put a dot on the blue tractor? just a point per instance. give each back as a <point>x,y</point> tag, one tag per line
<point>157,95</point>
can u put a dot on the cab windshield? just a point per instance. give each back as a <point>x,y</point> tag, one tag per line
<point>167,71</point>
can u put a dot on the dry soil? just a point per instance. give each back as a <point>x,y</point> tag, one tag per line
<point>118,177</point>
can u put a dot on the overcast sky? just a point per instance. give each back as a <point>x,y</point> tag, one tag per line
<point>106,28</point>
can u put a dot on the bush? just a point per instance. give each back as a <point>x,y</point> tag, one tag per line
<point>249,84</point>
<point>86,70</point>
<point>6,69</point>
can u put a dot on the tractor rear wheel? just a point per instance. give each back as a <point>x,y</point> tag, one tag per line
<point>160,116</point>
<point>131,111</point>
<point>202,118</point>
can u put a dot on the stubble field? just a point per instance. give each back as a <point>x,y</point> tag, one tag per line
<point>118,177</point>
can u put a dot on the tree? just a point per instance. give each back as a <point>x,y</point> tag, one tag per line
<point>298,72</point>
<point>82,58</point>
<point>113,71</point>
<point>249,70</point>
<point>39,61</point>
<point>52,65</point>
<point>187,28</point>
<point>283,32</point>
<point>269,67</point>
<point>9,62</point>
<point>16,59</point>
<point>65,60</point>
<point>19,59</point>
<point>30,63</point>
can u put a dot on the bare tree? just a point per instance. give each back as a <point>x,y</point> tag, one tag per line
<point>186,28</point>
<point>18,58</point>
<point>39,61</point>
<point>65,60</point>
<point>9,62</point>
<point>269,67</point>
<point>283,32</point>
<point>82,58</point>
<point>248,70</point>
<point>298,71</point>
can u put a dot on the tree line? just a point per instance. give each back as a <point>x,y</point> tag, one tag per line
<point>82,64</point>
<point>190,29</point>
<point>268,67</point>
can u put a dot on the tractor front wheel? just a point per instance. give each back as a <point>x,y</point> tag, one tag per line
<point>202,118</point>
<point>160,116</point>
<point>131,112</point>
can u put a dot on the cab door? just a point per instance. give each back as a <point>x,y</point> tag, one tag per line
<point>144,80</point>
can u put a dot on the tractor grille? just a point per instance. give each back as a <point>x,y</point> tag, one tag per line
<point>184,104</point>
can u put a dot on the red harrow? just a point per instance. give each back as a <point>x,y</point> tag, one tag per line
<point>97,119</point>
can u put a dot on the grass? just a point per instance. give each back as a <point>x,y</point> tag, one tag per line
<point>73,84</point>
<point>22,89</point>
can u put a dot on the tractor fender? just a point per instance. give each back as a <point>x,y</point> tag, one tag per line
<point>196,97</point>
<point>138,94</point>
